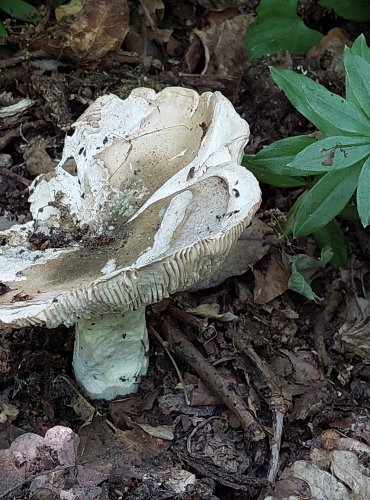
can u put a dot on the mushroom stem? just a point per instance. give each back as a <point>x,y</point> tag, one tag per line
<point>111,353</point>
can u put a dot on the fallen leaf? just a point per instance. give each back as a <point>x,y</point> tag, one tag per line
<point>86,30</point>
<point>272,283</point>
<point>223,47</point>
<point>305,365</point>
<point>212,311</point>
<point>160,431</point>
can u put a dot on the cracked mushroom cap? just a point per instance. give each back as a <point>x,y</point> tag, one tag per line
<point>155,202</point>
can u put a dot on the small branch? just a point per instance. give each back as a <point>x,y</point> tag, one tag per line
<point>278,402</point>
<point>16,177</point>
<point>185,349</point>
<point>27,56</point>
<point>165,348</point>
<point>59,468</point>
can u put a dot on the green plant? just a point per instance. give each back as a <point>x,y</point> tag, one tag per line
<point>278,28</point>
<point>18,9</point>
<point>333,169</point>
<point>354,10</point>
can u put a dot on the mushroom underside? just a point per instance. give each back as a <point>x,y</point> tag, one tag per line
<point>148,212</point>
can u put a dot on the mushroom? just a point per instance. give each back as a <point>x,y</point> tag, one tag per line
<point>148,199</point>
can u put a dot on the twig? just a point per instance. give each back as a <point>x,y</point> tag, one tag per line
<point>278,403</point>
<point>27,56</point>
<point>58,468</point>
<point>234,481</point>
<point>185,349</point>
<point>16,177</point>
<point>199,324</point>
<point>164,347</point>
<point>195,430</point>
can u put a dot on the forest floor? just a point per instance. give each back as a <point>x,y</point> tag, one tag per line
<point>297,368</point>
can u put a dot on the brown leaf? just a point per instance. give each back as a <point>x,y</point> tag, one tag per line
<point>272,283</point>
<point>141,445</point>
<point>223,46</point>
<point>306,369</point>
<point>87,29</point>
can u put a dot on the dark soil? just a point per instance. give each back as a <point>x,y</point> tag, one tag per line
<point>321,384</point>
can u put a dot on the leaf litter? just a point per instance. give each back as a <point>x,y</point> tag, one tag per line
<point>266,384</point>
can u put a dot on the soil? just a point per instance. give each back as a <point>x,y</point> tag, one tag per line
<point>274,358</point>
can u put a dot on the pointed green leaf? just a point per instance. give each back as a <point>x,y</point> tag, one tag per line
<point>363,194</point>
<point>303,267</point>
<point>354,10</point>
<point>357,81</point>
<point>281,152</point>
<point>287,226</point>
<point>3,33</point>
<point>267,177</point>
<point>360,48</point>
<point>325,200</point>
<point>329,154</point>
<point>331,236</point>
<point>330,113</point>
<point>298,284</point>
<point>278,28</point>
<point>269,164</point>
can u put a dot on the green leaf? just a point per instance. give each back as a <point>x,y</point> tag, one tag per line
<point>331,236</point>
<point>287,226</point>
<point>20,10</point>
<point>360,48</point>
<point>278,28</point>
<point>267,177</point>
<point>3,33</point>
<point>303,267</point>
<point>330,113</point>
<point>350,212</point>
<point>325,200</point>
<point>277,155</point>
<point>332,153</point>
<point>357,81</point>
<point>363,194</point>
<point>354,10</point>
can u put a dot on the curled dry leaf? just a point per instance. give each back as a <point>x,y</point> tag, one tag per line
<point>87,30</point>
<point>272,283</point>
<point>212,311</point>
<point>223,47</point>
<point>160,431</point>
<point>347,479</point>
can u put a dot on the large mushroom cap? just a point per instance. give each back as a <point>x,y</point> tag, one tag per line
<point>148,199</point>
<point>156,203</point>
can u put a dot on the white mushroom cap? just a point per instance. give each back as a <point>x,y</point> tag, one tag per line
<point>158,200</point>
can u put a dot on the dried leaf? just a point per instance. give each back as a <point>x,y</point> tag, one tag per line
<point>160,431</point>
<point>87,29</point>
<point>224,53</point>
<point>306,368</point>
<point>212,311</point>
<point>272,283</point>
